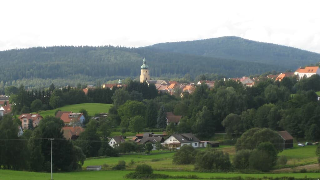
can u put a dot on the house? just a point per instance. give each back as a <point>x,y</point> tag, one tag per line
<point>287,139</point>
<point>115,141</point>
<point>209,143</point>
<point>307,71</point>
<point>70,118</point>
<point>210,84</point>
<point>171,118</point>
<point>20,131</point>
<point>1,111</point>
<point>72,133</point>
<point>175,141</point>
<point>150,137</point>
<point>153,140</point>
<point>4,100</point>
<point>246,81</point>
<point>25,118</point>
<point>283,75</point>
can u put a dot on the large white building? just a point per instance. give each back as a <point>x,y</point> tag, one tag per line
<point>307,71</point>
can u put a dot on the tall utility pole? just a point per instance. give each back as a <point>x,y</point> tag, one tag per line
<point>51,157</point>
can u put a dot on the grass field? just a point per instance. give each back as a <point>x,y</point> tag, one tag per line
<point>298,156</point>
<point>318,93</point>
<point>92,109</point>
<point>117,175</point>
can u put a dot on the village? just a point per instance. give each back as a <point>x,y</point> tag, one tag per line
<point>74,122</point>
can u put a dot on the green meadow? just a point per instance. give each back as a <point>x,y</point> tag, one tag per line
<point>91,108</point>
<point>117,175</point>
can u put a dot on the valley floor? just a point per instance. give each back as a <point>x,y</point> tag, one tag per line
<point>117,175</point>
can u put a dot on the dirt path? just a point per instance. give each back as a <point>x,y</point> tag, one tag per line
<point>298,168</point>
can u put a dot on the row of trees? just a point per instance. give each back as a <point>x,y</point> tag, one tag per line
<point>287,105</point>
<point>257,149</point>
<point>32,150</point>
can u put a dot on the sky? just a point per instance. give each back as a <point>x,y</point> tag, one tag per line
<point>136,23</point>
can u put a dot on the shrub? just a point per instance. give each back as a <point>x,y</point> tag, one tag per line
<point>211,159</point>
<point>120,166</point>
<point>148,147</point>
<point>282,160</point>
<point>131,162</point>
<point>186,155</point>
<point>253,137</point>
<point>303,170</point>
<point>241,159</point>
<point>144,169</point>
<point>259,160</point>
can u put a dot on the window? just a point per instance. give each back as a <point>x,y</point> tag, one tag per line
<point>195,144</point>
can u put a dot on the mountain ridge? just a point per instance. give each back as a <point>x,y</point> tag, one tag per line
<point>232,47</point>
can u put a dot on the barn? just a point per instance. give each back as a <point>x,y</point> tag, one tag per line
<point>287,139</point>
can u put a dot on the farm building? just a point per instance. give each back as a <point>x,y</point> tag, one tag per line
<point>287,139</point>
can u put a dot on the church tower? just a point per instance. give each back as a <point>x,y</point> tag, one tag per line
<point>144,72</point>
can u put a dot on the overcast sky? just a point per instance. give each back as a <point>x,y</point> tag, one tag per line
<point>135,23</point>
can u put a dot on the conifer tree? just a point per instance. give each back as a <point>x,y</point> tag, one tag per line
<point>161,120</point>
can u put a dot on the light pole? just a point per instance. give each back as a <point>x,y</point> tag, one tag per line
<point>51,157</point>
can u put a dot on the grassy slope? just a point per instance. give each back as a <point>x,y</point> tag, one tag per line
<point>115,175</point>
<point>300,155</point>
<point>92,108</point>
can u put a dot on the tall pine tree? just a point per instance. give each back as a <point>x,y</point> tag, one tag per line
<point>161,120</point>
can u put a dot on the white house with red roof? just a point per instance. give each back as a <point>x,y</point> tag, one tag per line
<point>307,71</point>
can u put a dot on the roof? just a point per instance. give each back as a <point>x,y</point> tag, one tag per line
<point>308,69</point>
<point>4,98</point>
<point>172,86</point>
<point>59,113</point>
<point>118,139</point>
<point>144,65</point>
<point>285,135</point>
<point>34,117</point>
<point>151,139</point>
<point>110,86</point>
<point>172,118</point>
<point>68,132</point>
<point>186,138</point>
<point>68,117</point>
<point>283,75</point>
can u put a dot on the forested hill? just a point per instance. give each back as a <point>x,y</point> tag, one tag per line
<point>245,50</point>
<point>39,67</point>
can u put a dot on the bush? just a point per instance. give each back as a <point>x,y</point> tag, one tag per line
<point>241,159</point>
<point>211,159</point>
<point>144,169</point>
<point>120,166</point>
<point>253,137</point>
<point>186,155</point>
<point>259,160</point>
<point>282,160</point>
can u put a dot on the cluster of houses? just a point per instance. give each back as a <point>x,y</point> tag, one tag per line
<point>73,122</point>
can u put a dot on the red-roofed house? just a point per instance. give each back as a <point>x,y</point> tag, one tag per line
<point>72,133</point>
<point>307,71</point>
<point>283,75</point>
<point>70,118</point>
<point>25,118</point>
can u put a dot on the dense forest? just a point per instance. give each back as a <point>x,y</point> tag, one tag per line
<point>40,67</point>
<point>244,50</point>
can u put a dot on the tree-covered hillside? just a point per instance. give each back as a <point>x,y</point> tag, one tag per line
<point>39,67</point>
<point>245,50</point>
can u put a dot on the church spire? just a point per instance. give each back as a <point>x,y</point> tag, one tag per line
<point>144,65</point>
